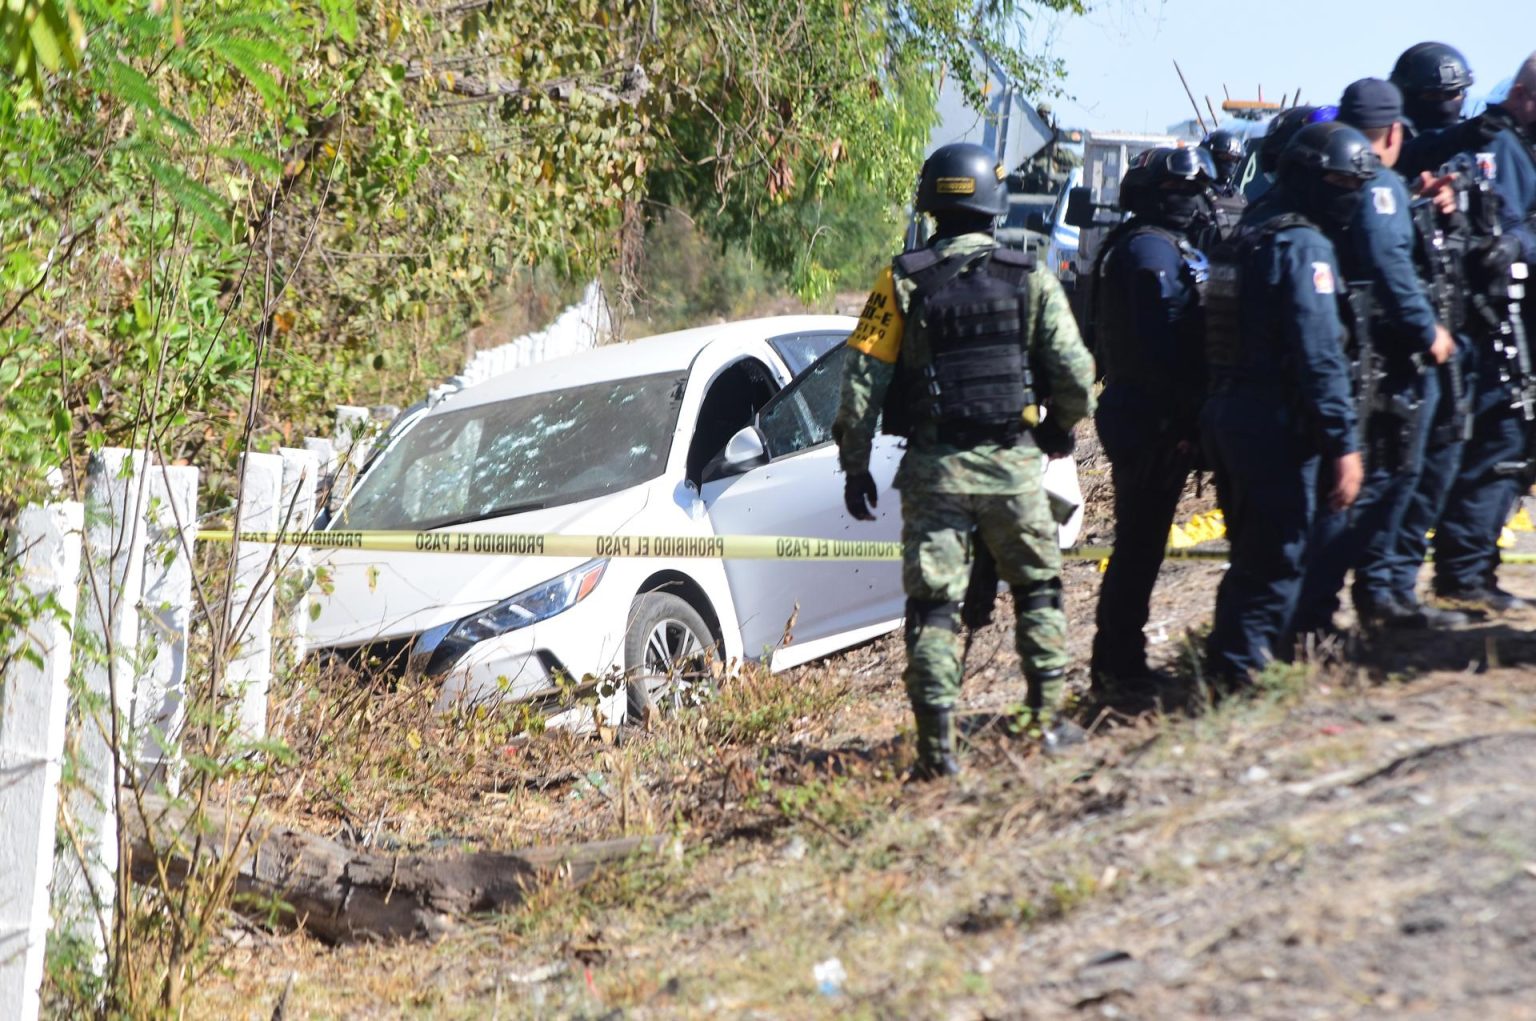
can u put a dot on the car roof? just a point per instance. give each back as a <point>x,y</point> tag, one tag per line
<point>665,352</point>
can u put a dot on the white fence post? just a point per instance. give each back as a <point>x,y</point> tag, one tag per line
<point>301,474</point>
<point>159,711</point>
<point>353,429</point>
<point>249,672</point>
<point>34,699</point>
<point>112,588</point>
<point>324,450</point>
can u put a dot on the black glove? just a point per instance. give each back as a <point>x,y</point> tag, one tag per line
<point>1495,255</point>
<point>1053,440</point>
<point>859,495</point>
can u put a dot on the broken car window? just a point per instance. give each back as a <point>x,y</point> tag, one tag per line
<point>538,450</point>
<point>801,416</point>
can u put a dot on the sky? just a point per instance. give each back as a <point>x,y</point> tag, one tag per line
<point>1119,57</point>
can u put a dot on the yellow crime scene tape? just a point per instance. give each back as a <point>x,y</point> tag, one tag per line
<point>1184,541</point>
<point>529,544</point>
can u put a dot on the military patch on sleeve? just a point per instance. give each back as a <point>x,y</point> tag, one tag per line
<point>1322,278</point>
<point>880,324</point>
<point>1385,201</point>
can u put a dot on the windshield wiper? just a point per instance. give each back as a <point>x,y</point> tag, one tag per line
<point>464,519</point>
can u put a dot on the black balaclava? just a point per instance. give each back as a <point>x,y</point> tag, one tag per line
<point>1431,112</point>
<point>1331,207</point>
<point>1174,210</point>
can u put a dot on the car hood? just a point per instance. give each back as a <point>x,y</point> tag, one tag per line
<point>367,596</point>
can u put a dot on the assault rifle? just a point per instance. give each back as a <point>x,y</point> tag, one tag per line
<point>1496,290</point>
<point>1442,263</point>
<point>1386,418</point>
<point>1367,364</point>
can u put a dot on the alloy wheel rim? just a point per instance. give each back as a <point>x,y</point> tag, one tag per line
<point>674,658</point>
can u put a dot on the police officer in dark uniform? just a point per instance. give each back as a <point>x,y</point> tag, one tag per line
<point>1514,152</point>
<point>1227,199</point>
<point>1281,416</point>
<point>1433,79</point>
<point>1149,339</point>
<point>1401,338</point>
<point>1282,128</point>
<point>1477,492</point>
<point>1226,149</point>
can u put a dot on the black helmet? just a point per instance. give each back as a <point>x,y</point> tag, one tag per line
<point>962,177</point>
<point>1434,79</point>
<point>1170,169</point>
<point>1431,67</point>
<point>1168,186</point>
<point>1284,127</point>
<point>1325,167</point>
<point>1195,168</point>
<point>1225,147</point>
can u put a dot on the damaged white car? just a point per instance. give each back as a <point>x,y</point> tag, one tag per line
<point>695,434</point>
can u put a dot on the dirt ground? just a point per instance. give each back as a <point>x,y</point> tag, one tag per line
<point>1358,840</point>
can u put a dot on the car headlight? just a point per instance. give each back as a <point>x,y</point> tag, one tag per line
<point>531,605</point>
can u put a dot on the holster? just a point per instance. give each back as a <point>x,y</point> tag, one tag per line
<point>981,590</point>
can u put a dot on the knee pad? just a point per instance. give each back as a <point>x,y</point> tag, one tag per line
<point>943,614</point>
<point>1044,595</point>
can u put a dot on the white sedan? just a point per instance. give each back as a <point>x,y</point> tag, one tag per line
<point>695,434</point>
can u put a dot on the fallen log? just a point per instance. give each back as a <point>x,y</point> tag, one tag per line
<point>343,894</point>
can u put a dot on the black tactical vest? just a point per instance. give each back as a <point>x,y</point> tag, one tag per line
<point>1116,349</point>
<point>973,312</point>
<point>1224,292</point>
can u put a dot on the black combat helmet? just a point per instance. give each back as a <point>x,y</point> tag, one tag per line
<point>1284,127</point>
<point>1184,169</point>
<point>1434,79</point>
<point>1168,186</point>
<point>1226,148</point>
<point>962,177</point>
<point>1432,67</point>
<point>1325,167</point>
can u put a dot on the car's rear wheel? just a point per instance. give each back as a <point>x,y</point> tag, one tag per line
<point>668,654</point>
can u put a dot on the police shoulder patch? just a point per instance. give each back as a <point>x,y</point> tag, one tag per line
<point>1322,278</point>
<point>1385,201</point>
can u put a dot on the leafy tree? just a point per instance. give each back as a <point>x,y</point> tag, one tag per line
<point>220,217</point>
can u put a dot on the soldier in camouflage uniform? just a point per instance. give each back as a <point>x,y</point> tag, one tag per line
<point>973,465</point>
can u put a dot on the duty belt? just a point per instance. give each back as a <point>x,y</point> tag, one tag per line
<point>969,434</point>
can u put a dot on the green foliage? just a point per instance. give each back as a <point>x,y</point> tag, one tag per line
<point>38,36</point>
<point>685,278</point>
<point>219,218</point>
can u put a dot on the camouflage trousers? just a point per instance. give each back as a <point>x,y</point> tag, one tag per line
<point>936,539</point>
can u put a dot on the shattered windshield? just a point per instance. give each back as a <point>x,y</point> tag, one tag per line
<point>540,450</point>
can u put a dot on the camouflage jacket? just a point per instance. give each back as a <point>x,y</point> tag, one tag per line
<point>1057,353</point>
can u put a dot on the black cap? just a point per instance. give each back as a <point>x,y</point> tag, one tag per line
<point>1371,103</point>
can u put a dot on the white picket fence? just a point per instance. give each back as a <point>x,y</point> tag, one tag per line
<point>114,578</point>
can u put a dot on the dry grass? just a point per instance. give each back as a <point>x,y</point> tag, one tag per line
<point>795,843</point>
<point>1261,860</point>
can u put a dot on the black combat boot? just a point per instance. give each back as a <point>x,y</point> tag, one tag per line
<point>1046,723</point>
<point>935,746</point>
<point>1396,614</point>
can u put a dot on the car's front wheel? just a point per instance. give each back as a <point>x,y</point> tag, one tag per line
<point>668,652</point>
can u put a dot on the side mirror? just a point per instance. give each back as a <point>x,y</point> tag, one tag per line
<point>1036,222</point>
<point>743,452</point>
<point>1080,207</point>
